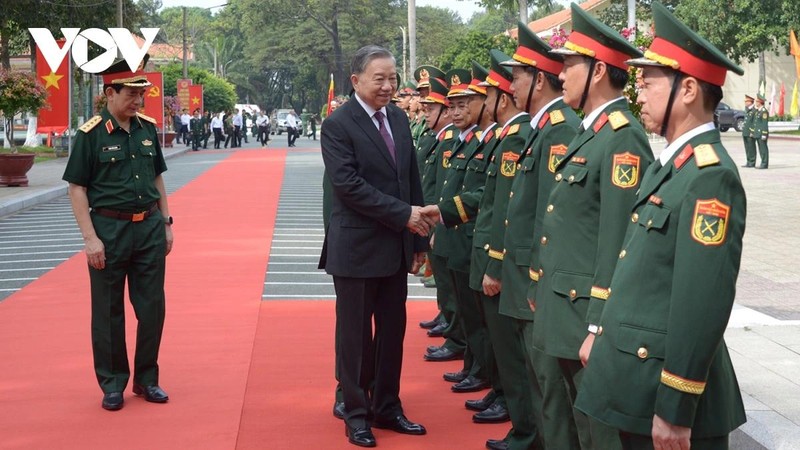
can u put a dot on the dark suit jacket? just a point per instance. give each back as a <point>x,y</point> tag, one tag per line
<point>367,235</point>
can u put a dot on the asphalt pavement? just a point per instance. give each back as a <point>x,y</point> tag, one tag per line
<point>763,335</point>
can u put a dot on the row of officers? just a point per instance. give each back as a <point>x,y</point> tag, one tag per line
<point>585,283</point>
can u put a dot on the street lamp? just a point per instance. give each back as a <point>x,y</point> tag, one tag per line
<point>405,71</point>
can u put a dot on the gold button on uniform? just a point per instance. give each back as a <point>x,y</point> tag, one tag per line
<point>445,181</point>
<point>649,223</point>
<point>137,176</point>
<point>113,159</point>
<point>634,218</point>
<point>642,352</point>
<point>550,208</point>
<point>599,330</point>
<point>506,222</point>
<point>544,240</point>
<point>573,293</point>
<point>133,156</point>
<point>486,247</point>
<point>571,178</point>
<point>622,254</point>
<point>559,177</point>
<point>511,194</point>
<point>541,273</point>
<point>519,166</point>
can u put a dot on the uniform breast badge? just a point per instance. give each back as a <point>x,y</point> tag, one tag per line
<point>625,170</point>
<point>557,153</point>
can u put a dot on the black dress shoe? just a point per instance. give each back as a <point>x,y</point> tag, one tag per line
<point>762,167</point>
<point>443,354</point>
<point>361,437</point>
<point>151,393</point>
<point>496,413</point>
<point>428,324</point>
<point>470,384</point>
<point>749,165</point>
<point>496,444</point>
<point>455,377</point>
<point>399,424</point>
<point>432,349</point>
<point>438,330</point>
<point>338,410</point>
<point>482,404</point>
<point>113,401</point>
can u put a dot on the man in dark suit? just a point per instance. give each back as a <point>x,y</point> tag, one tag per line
<point>369,246</point>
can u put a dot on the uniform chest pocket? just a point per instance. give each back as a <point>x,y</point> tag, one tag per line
<point>478,165</point>
<point>653,217</point>
<point>572,285</point>
<point>528,163</point>
<point>146,157</point>
<point>112,156</point>
<point>574,174</point>
<point>642,342</point>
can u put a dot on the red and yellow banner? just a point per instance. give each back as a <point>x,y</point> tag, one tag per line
<point>55,117</point>
<point>154,98</point>
<point>183,94</point>
<point>330,98</point>
<point>196,98</point>
<point>794,49</point>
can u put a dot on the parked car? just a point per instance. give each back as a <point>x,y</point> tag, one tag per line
<point>726,117</point>
<point>279,121</point>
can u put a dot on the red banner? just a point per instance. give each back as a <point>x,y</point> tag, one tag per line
<point>183,94</point>
<point>55,117</point>
<point>154,98</point>
<point>196,98</point>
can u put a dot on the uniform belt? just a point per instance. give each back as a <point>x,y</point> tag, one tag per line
<point>133,217</point>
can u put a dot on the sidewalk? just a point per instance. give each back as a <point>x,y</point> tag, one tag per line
<point>763,335</point>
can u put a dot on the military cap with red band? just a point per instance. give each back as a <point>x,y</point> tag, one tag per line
<point>424,74</point>
<point>121,73</point>
<point>459,83</point>
<point>479,74</point>
<point>438,93</point>
<point>677,47</point>
<point>534,52</point>
<point>499,76</point>
<point>594,39</point>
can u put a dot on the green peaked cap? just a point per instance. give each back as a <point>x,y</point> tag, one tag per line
<point>532,51</point>
<point>438,92</point>
<point>678,47</point>
<point>593,38</point>
<point>479,74</point>
<point>424,74</point>
<point>458,81</point>
<point>499,76</point>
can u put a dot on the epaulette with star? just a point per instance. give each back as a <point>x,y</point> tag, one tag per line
<point>556,117</point>
<point>90,124</point>
<point>448,134</point>
<point>617,120</point>
<point>704,155</point>
<point>146,118</point>
<point>513,129</point>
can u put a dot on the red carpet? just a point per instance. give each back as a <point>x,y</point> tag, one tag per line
<point>241,373</point>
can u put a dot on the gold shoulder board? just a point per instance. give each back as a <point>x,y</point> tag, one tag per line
<point>704,155</point>
<point>147,118</point>
<point>448,134</point>
<point>91,123</point>
<point>556,117</point>
<point>617,120</point>
<point>513,129</point>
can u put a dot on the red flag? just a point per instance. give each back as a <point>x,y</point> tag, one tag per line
<point>154,98</point>
<point>183,94</point>
<point>55,118</point>
<point>781,108</point>
<point>330,98</point>
<point>195,98</point>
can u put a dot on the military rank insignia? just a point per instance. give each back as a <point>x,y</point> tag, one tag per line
<point>625,170</point>
<point>710,221</point>
<point>509,166</point>
<point>147,142</point>
<point>557,153</point>
<point>446,158</point>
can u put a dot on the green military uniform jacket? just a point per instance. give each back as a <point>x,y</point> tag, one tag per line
<point>660,348</point>
<point>418,128</point>
<point>749,117</point>
<point>549,137</point>
<point>510,143</point>
<point>118,168</point>
<point>596,184</point>
<point>760,128</point>
<point>436,162</point>
<point>423,148</point>
<point>455,243</point>
<point>442,156</point>
<point>196,125</point>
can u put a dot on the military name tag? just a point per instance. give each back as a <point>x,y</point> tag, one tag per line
<point>557,153</point>
<point>112,148</point>
<point>710,222</point>
<point>625,170</point>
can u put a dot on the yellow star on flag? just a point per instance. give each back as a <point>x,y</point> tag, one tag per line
<point>52,80</point>
<point>195,101</point>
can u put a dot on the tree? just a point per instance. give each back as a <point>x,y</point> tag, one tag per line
<point>218,94</point>
<point>19,92</point>
<point>475,45</point>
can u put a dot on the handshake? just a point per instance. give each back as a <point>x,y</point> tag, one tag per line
<point>423,219</point>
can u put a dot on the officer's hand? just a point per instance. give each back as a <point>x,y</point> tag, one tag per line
<point>169,239</point>
<point>491,286</point>
<point>95,253</point>
<point>586,349</point>
<point>763,138</point>
<point>667,436</point>
<point>432,211</point>
<point>418,223</point>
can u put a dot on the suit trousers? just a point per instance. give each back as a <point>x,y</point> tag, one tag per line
<point>135,251</point>
<point>639,442</point>
<point>593,434</point>
<point>365,359</point>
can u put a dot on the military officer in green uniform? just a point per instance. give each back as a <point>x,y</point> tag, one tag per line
<point>537,90</point>
<point>197,129</point>
<point>119,201</point>
<point>589,207</point>
<point>659,369</point>
<point>423,75</point>
<point>747,131</point>
<point>761,131</point>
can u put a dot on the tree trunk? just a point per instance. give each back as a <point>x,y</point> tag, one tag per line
<point>340,77</point>
<point>32,138</point>
<point>5,56</point>
<point>762,74</point>
<point>523,11</point>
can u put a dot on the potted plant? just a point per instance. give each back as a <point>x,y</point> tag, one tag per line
<point>171,106</point>
<point>19,92</point>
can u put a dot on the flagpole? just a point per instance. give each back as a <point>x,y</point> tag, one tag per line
<point>69,104</point>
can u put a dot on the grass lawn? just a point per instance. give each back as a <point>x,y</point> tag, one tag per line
<point>790,132</point>
<point>43,152</point>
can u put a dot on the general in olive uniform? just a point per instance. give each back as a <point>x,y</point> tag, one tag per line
<point>197,128</point>
<point>597,177</point>
<point>747,131</point>
<point>760,131</point>
<point>659,368</point>
<point>120,204</point>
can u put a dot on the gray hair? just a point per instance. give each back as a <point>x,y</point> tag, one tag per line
<point>366,54</point>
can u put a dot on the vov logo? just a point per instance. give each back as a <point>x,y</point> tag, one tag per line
<point>115,40</point>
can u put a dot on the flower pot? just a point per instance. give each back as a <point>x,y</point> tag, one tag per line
<point>14,167</point>
<point>167,139</point>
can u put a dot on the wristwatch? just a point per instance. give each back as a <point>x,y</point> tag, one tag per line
<point>168,220</point>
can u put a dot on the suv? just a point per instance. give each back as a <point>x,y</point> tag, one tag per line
<point>279,121</point>
<point>726,117</point>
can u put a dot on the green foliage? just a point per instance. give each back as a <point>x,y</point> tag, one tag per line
<point>19,92</point>
<point>781,118</point>
<point>474,45</point>
<point>218,94</point>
